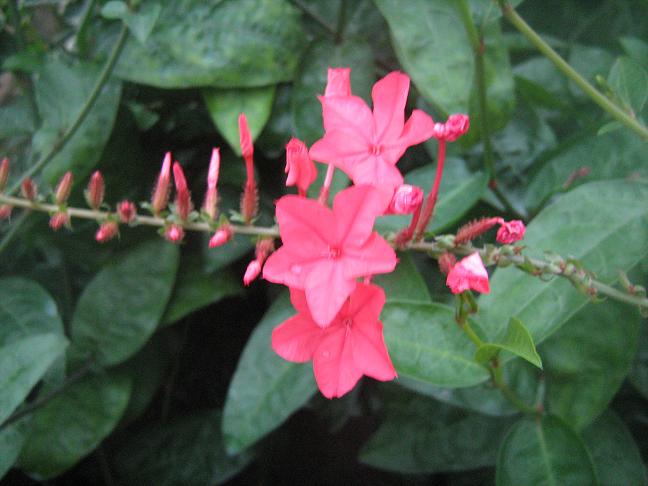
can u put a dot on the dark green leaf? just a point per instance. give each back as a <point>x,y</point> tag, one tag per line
<point>615,455</point>
<point>590,62</point>
<point>225,105</point>
<point>636,48</point>
<point>639,373</point>
<point>220,257</point>
<point>517,341</point>
<point>114,10</point>
<point>426,344</point>
<point>543,451</point>
<point>72,424</point>
<point>218,44</point>
<point>603,224</point>
<point>122,306</point>
<point>629,81</point>
<point>12,439</point>
<point>587,360</point>
<point>405,284</point>
<point>142,22</point>
<point>265,389</point>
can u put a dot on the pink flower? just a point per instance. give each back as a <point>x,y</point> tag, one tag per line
<point>174,233</point>
<point>367,145</point>
<point>338,82</point>
<point>351,346</point>
<point>324,251</point>
<point>299,167</point>
<point>126,211</point>
<point>222,236</point>
<point>468,273</point>
<point>510,231</point>
<point>161,192</point>
<point>107,231</point>
<point>406,200</point>
<point>456,126</point>
<point>183,197</point>
<point>210,205</point>
<point>251,272</point>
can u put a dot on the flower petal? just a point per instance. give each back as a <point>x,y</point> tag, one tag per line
<point>369,350</point>
<point>287,267</point>
<point>296,339</point>
<point>340,147</point>
<point>306,224</point>
<point>389,98</point>
<point>374,257</point>
<point>356,210</point>
<point>333,364</point>
<point>326,290</point>
<point>376,169</point>
<point>349,113</point>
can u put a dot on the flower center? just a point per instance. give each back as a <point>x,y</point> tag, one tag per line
<point>334,252</point>
<point>375,149</point>
<point>348,322</point>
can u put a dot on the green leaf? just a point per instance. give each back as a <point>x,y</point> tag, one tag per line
<point>602,224</point>
<point>221,44</point>
<point>460,190</point>
<point>431,43</point>
<point>629,81</point>
<point>517,341</point>
<point>73,423</point>
<point>225,105</point>
<point>587,360</point>
<point>543,451</point>
<point>114,10</point>
<point>615,454</point>
<point>405,284</point>
<point>217,258</point>
<point>188,451</point>
<point>121,307</point>
<point>639,373</point>
<point>636,48</point>
<point>142,22</point>
<point>12,439</point>
<point>311,80</point>
<point>61,90</point>
<point>31,339</point>
<point>426,344</point>
<point>265,389</point>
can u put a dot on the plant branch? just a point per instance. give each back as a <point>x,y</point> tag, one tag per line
<point>518,22</point>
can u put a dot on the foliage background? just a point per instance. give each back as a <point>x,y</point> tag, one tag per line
<point>165,359</point>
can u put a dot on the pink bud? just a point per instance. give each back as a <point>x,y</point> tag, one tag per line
<point>222,236</point>
<point>4,173</point>
<point>63,189</point>
<point>29,189</point>
<point>58,220</point>
<point>94,193</point>
<point>5,211</point>
<point>107,231</point>
<point>263,249</point>
<point>469,273</point>
<point>161,191</point>
<point>457,125</point>
<point>510,232</point>
<point>126,211</point>
<point>214,169</point>
<point>183,196</point>
<point>299,166</point>
<point>339,82</point>
<point>446,262</point>
<point>245,138</point>
<point>174,233</point>
<point>253,270</point>
<point>406,200</point>
<point>210,204</point>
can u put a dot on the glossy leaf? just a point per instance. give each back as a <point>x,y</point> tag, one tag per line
<point>73,423</point>
<point>218,44</point>
<point>517,341</point>
<point>265,389</point>
<point>543,451</point>
<point>629,81</point>
<point>187,451</point>
<point>122,306</point>
<point>426,344</point>
<point>405,284</point>
<point>225,105</point>
<point>587,360</point>
<point>603,224</point>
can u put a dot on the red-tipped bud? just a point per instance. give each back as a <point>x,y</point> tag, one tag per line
<point>58,220</point>
<point>299,166</point>
<point>5,211</point>
<point>473,229</point>
<point>29,189</point>
<point>339,82</point>
<point>127,212</point>
<point>510,232</point>
<point>94,193</point>
<point>222,236</point>
<point>107,231</point>
<point>4,173</point>
<point>245,138</point>
<point>252,272</point>
<point>161,192</point>
<point>249,202</point>
<point>174,233</point>
<point>457,125</point>
<point>446,262</point>
<point>183,196</point>
<point>406,200</point>
<point>63,189</point>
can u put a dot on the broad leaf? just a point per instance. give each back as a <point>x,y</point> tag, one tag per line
<point>603,224</point>
<point>543,451</point>
<point>517,341</point>
<point>639,373</point>
<point>12,439</point>
<point>225,105</point>
<point>426,344</point>
<point>122,306</point>
<point>265,389</point>
<point>629,81</point>
<point>188,451</point>
<point>73,423</point>
<point>405,284</point>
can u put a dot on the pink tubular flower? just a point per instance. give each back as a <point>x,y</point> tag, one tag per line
<point>324,251</point>
<point>222,236</point>
<point>338,82</point>
<point>183,196</point>
<point>127,211</point>
<point>510,232</point>
<point>161,192</point>
<point>352,345</point>
<point>107,231</point>
<point>367,145</point>
<point>406,200</point>
<point>468,273</point>
<point>210,206</point>
<point>299,167</point>
<point>94,193</point>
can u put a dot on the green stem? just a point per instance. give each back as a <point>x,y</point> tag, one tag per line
<point>518,22</point>
<point>81,35</point>
<point>470,332</point>
<point>497,376</point>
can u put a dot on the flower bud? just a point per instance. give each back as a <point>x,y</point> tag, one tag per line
<point>406,200</point>
<point>29,189</point>
<point>210,205</point>
<point>107,231</point>
<point>58,220</point>
<point>299,166</point>
<point>63,189</point>
<point>5,211</point>
<point>174,233</point>
<point>245,138</point>
<point>183,196</point>
<point>127,212</point>
<point>473,229</point>
<point>510,231</point>
<point>222,236</point>
<point>457,125</point>
<point>469,273</point>
<point>263,249</point>
<point>94,193</point>
<point>339,82</point>
<point>4,173</point>
<point>252,272</point>
<point>446,261</point>
<point>160,196</point>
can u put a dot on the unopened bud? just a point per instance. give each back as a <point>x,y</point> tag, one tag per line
<point>510,231</point>
<point>406,200</point>
<point>4,173</point>
<point>29,189</point>
<point>473,229</point>
<point>249,202</point>
<point>338,83</point>
<point>58,220</point>
<point>94,193</point>
<point>222,236</point>
<point>263,249</point>
<point>107,231</point>
<point>210,205</point>
<point>160,196</point>
<point>183,196</point>
<point>245,138</point>
<point>174,233</point>
<point>126,211</point>
<point>456,126</point>
<point>252,272</point>
<point>446,262</point>
<point>63,189</point>
<point>5,211</point>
